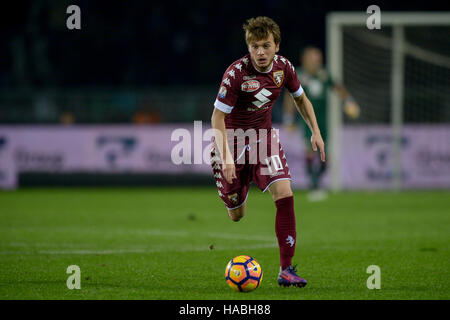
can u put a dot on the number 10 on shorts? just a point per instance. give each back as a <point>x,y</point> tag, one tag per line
<point>273,164</point>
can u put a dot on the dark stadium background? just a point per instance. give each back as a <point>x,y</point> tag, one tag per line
<point>133,45</point>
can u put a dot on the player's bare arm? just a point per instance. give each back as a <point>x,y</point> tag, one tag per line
<point>306,110</point>
<point>218,123</point>
<point>351,108</point>
<point>288,111</point>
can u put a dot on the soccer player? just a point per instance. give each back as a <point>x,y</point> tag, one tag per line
<point>316,82</point>
<point>242,110</point>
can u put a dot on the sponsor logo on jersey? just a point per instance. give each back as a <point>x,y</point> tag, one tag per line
<point>222,92</point>
<point>278,77</point>
<point>250,85</point>
<point>249,77</point>
<point>279,173</point>
<point>315,87</point>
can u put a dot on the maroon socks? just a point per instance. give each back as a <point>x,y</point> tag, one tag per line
<point>285,230</point>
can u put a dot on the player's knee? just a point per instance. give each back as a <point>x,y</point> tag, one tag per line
<point>235,218</point>
<point>281,194</point>
<point>236,215</point>
<point>280,190</point>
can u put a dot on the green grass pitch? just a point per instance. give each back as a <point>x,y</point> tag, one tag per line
<point>156,243</point>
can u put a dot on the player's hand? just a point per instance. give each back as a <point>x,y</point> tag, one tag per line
<point>352,110</point>
<point>229,172</point>
<point>317,142</point>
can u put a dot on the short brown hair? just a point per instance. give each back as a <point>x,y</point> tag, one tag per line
<point>259,28</point>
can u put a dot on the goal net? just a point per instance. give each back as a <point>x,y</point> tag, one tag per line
<point>400,77</point>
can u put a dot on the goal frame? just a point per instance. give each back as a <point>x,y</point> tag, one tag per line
<point>335,21</point>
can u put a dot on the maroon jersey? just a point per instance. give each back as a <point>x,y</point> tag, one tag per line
<point>248,95</point>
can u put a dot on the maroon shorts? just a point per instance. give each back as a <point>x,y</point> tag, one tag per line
<point>253,164</point>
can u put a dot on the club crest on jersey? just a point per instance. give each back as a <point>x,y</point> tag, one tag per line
<point>250,86</point>
<point>278,77</point>
<point>222,92</point>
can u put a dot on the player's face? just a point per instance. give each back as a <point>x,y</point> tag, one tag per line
<point>262,52</point>
<point>312,61</point>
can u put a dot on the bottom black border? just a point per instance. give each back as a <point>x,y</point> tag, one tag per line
<point>222,309</point>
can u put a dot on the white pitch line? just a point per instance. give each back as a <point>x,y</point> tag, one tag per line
<point>54,248</point>
<point>240,237</point>
<point>152,232</point>
<point>140,250</point>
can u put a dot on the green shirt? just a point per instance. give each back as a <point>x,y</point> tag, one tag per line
<point>316,89</point>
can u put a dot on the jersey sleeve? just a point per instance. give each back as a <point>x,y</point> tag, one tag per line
<point>228,91</point>
<point>292,82</point>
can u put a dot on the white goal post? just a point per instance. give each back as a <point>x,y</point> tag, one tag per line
<point>397,48</point>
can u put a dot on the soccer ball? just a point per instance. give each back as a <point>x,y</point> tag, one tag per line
<point>243,273</point>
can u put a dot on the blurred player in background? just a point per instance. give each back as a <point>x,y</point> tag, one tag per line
<point>316,81</point>
<point>244,102</point>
